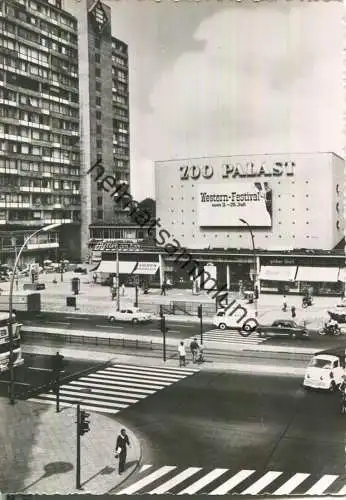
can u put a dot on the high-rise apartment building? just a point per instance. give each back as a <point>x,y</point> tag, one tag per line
<point>104,114</point>
<point>39,129</point>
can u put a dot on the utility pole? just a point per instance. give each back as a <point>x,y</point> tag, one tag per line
<point>200,315</point>
<point>164,330</point>
<point>83,426</point>
<point>57,369</point>
<point>136,297</point>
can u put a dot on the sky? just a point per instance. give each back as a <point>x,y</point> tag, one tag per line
<point>221,77</point>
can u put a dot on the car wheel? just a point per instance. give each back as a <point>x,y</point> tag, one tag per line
<point>111,319</point>
<point>293,336</point>
<point>222,326</point>
<point>134,321</point>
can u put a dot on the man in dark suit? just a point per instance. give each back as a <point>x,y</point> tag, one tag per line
<point>121,449</point>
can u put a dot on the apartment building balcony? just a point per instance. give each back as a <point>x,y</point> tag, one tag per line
<point>29,189</point>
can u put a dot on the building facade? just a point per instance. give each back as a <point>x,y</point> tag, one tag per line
<point>39,128</point>
<point>104,112</point>
<point>243,218</point>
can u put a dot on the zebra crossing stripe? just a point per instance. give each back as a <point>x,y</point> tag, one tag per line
<point>82,398</point>
<point>291,484</point>
<point>127,385</point>
<point>204,481</point>
<point>161,380</point>
<point>179,478</point>
<point>134,488</point>
<point>259,485</point>
<point>69,405</point>
<point>322,484</point>
<point>72,391</point>
<point>132,384</point>
<point>140,371</point>
<point>173,369</point>
<point>95,387</point>
<point>232,482</point>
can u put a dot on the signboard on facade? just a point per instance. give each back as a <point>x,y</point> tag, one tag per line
<point>224,205</point>
<point>123,246</point>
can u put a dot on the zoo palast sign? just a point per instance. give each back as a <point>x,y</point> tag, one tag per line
<point>238,170</point>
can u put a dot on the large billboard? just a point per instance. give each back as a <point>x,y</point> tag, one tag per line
<point>223,205</point>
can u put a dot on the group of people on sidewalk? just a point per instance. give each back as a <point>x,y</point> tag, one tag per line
<point>197,352</point>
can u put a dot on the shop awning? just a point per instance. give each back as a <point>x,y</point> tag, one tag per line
<point>110,267</point>
<point>146,268</point>
<point>278,273</point>
<point>322,274</point>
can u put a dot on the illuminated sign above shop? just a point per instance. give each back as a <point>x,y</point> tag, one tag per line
<point>238,170</point>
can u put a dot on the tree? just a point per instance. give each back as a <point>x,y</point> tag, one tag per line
<point>149,205</point>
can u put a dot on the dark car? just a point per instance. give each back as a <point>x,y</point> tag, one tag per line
<point>81,270</point>
<point>283,328</point>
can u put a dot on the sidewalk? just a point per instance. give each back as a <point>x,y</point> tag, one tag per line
<point>38,451</point>
<point>96,299</point>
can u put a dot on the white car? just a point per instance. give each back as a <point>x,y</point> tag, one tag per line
<point>324,372</point>
<point>236,321</point>
<point>130,315</point>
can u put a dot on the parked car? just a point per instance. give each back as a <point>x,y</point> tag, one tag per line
<point>130,315</point>
<point>81,270</point>
<point>325,371</point>
<point>283,328</point>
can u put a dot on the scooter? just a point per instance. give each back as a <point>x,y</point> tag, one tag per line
<point>334,330</point>
<point>306,302</point>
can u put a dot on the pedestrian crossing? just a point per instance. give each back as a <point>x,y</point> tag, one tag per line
<point>229,337</point>
<point>170,479</point>
<point>115,387</point>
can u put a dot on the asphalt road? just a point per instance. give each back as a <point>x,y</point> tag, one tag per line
<point>237,421</point>
<point>176,329</point>
<point>37,370</point>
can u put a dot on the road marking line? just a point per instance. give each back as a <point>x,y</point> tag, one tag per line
<point>70,405</point>
<point>232,482</point>
<point>39,369</point>
<point>95,387</point>
<point>322,484</point>
<point>179,478</point>
<point>144,371</point>
<point>291,484</point>
<point>258,486</point>
<point>207,479</point>
<point>73,390</point>
<point>83,400</point>
<point>141,374</point>
<point>77,317</point>
<point>118,376</point>
<point>341,492</point>
<point>171,369</point>
<point>144,467</point>
<point>134,488</point>
<point>116,385</point>
<point>109,326</point>
<point>57,322</point>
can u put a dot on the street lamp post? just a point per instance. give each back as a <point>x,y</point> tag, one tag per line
<point>256,285</point>
<point>10,307</point>
<point>118,287</point>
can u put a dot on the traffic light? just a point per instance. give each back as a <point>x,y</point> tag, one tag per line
<point>84,423</point>
<point>163,327</point>
<point>256,293</point>
<point>199,311</point>
<point>161,311</point>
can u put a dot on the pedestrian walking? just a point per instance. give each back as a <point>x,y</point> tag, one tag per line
<point>113,292</point>
<point>182,354</point>
<point>121,449</point>
<point>194,349</point>
<point>284,305</point>
<point>94,278</point>
<point>123,289</point>
<point>163,288</point>
<point>293,312</point>
<point>200,354</point>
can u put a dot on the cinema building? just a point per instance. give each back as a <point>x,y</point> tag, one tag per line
<point>276,218</point>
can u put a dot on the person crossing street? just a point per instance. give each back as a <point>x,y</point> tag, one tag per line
<point>194,349</point>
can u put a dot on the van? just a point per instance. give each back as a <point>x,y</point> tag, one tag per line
<point>325,370</point>
<point>236,321</point>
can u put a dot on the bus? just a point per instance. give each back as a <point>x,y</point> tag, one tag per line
<point>5,344</point>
